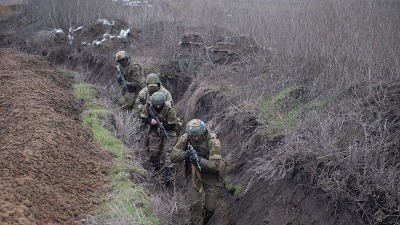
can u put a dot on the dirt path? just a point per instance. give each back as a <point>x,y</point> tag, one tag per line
<point>50,170</point>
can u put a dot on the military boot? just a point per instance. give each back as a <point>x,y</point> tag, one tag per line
<point>167,177</point>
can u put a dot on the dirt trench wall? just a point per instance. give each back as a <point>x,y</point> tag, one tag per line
<point>50,170</point>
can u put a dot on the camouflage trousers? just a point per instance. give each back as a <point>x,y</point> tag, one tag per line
<point>128,100</point>
<point>158,150</point>
<point>202,205</point>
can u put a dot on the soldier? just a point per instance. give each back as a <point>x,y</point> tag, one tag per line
<point>130,76</point>
<point>161,119</point>
<point>153,85</point>
<point>202,169</point>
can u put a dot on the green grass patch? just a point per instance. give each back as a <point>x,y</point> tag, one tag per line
<point>282,110</point>
<point>127,202</point>
<point>234,189</point>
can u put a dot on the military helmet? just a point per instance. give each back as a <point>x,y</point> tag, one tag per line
<point>196,127</point>
<point>152,78</point>
<point>158,98</point>
<point>121,55</point>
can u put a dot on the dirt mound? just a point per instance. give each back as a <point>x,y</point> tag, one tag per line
<point>51,172</point>
<point>6,10</point>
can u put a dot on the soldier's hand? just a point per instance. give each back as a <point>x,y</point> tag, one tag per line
<point>153,122</point>
<point>158,130</point>
<point>187,155</point>
<point>194,160</point>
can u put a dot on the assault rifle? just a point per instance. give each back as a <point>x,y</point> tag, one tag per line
<point>194,158</point>
<point>121,80</point>
<point>162,128</point>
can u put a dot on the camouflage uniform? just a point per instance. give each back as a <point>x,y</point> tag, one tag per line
<point>158,152</point>
<point>145,94</point>
<point>207,181</point>
<point>133,75</point>
<point>153,85</point>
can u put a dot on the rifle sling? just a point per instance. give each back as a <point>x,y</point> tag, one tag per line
<point>195,172</point>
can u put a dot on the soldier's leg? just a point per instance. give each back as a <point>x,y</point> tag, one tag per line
<point>154,153</point>
<point>168,177</point>
<point>128,101</point>
<point>196,202</point>
<point>167,150</point>
<point>212,188</point>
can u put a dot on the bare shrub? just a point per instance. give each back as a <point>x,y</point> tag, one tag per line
<point>345,51</point>
<point>168,207</point>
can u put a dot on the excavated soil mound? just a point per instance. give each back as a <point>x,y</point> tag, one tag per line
<point>6,10</point>
<point>51,172</point>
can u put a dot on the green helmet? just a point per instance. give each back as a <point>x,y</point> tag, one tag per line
<point>121,55</point>
<point>158,98</point>
<point>196,127</point>
<point>152,78</point>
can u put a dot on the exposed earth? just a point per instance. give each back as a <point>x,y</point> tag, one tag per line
<point>52,172</point>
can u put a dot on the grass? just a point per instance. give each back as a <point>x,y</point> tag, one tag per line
<point>282,110</point>
<point>327,45</point>
<point>235,189</point>
<point>127,202</point>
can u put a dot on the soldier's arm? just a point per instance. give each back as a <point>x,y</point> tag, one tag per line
<point>145,116</point>
<point>178,154</point>
<point>133,78</point>
<point>171,120</point>
<point>133,83</point>
<point>211,164</point>
<point>138,74</point>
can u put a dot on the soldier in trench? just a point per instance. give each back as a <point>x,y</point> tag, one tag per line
<point>153,84</point>
<point>200,149</point>
<point>131,78</point>
<point>161,119</point>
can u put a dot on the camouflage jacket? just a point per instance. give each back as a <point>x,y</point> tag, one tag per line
<point>208,150</point>
<point>133,75</point>
<point>144,93</point>
<point>167,117</point>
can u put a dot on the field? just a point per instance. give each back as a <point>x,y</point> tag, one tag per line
<point>304,96</point>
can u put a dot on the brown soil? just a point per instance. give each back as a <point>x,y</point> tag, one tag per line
<point>6,10</point>
<point>51,171</point>
<point>47,175</point>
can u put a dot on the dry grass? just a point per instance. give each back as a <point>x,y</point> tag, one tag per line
<point>347,54</point>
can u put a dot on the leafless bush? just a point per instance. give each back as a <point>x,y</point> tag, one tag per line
<point>345,51</point>
<point>128,126</point>
<point>58,13</point>
<point>168,206</point>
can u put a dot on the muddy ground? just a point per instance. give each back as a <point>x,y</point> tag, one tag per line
<point>51,170</point>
